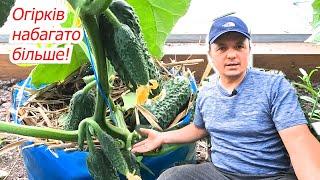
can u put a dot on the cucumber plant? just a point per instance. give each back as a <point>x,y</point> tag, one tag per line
<point>112,33</point>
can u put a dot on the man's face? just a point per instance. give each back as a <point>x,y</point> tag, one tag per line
<point>230,55</point>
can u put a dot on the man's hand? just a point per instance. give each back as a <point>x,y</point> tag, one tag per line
<point>154,140</point>
<point>187,134</point>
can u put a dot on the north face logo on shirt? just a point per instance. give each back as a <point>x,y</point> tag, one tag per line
<point>229,24</point>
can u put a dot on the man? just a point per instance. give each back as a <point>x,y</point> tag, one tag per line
<point>253,118</point>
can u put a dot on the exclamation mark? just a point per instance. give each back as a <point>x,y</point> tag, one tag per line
<point>67,54</point>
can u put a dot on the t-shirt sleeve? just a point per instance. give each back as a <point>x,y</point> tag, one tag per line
<point>286,110</point>
<point>198,120</point>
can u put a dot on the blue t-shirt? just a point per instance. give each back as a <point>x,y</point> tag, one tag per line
<point>244,127</point>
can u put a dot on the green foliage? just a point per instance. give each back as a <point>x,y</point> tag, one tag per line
<point>316,13</point>
<point>129,100</point>
<point>57,73</point>
<point>315,37</point>
<point>312,99</point>
<point>127,41</point>
<point>51,73</point>
<point>314,94</point>
<point>152,15</point>
<point>5,7</point>
<point>157,19</point>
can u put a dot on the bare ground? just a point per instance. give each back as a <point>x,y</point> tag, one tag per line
<point>11,163</point>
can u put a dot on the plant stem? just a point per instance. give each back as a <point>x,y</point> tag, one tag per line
<point>90,141</point>
<point>112,18</point>
<point>117,132</point>
<point>89,86</point>
<point>94,125</point>
<point>95,7</point>
<point>314,107</point>
<point>88,79</point>
<point>91,26</point>
<point>82,133</point>
<point>40,132</point>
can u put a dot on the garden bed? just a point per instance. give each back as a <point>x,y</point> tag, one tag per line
<point>44,109</point>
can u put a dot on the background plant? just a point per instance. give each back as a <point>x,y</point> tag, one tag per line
<point>315,37</point>
<point>313,92</point>
<point>309,96</point>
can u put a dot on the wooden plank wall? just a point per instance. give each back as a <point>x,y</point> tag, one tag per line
<point>288,63</point>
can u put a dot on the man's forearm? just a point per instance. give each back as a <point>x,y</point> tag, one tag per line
<point>187,134</point>
<point>304,151</point>
<point>307,163</point>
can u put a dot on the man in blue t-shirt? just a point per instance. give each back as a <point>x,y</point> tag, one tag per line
<point>253,118</point>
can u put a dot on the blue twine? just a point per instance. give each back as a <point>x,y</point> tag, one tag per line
<point>106,100</point>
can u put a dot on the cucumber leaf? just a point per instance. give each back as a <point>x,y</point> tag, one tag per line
<point>157,18</point>
<point>316,13</point>
<point>315,37</point>
<point>51,73</point>
<point>129,100</point>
